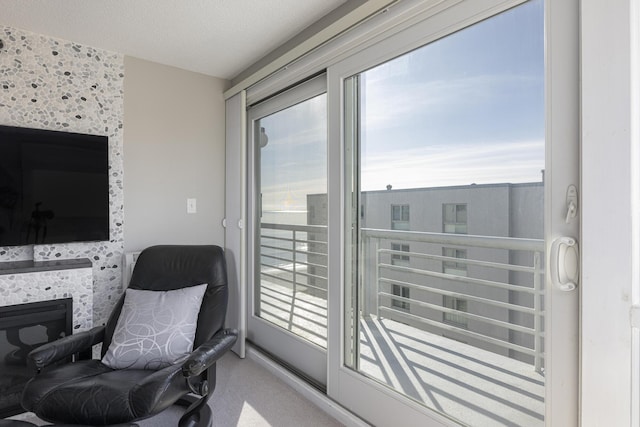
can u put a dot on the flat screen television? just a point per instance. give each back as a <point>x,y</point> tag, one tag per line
<point>54,187</point>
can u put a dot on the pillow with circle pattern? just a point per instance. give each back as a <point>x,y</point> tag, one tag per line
<point>155,328</point>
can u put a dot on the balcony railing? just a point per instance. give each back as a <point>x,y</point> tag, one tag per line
<point>500,282</point>
<point>295,255</point>
<point>293,270</point>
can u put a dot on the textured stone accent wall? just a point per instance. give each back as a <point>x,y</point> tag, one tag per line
<point>49,83</point>
<point>47,285</point>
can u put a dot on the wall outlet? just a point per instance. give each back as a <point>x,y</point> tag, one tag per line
<point>191,206</point>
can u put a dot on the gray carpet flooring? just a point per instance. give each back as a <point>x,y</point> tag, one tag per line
<point>248,395</point>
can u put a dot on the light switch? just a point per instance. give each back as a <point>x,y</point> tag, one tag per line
<point>191,206</point>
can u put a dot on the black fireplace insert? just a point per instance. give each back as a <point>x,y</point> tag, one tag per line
<point>24,327</point>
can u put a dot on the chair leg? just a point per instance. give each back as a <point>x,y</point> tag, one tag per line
<point>198,414</point>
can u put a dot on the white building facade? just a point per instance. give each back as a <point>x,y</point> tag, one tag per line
<point>432,260</point>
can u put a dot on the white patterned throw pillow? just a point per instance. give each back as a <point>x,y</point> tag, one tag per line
<point>155,328</point>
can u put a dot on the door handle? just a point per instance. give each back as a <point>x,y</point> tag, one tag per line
<point>565,263</point>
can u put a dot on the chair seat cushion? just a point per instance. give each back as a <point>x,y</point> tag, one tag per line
<point>89,392</point>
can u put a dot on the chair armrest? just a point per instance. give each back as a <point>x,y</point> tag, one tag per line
<point>209,352</point>
<point>54,351</point>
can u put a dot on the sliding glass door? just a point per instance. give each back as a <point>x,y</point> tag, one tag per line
<point>409,214</point>
<point>447,180</point>
<point>288,299</point>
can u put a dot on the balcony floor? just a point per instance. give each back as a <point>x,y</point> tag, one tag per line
<point>471,385</point>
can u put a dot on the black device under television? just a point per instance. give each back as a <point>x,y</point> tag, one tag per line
<point>54,187</point>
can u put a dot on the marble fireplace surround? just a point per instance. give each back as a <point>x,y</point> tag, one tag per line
<point>35,281</point>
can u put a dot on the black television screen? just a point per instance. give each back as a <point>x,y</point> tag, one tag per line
<point>54,187</point>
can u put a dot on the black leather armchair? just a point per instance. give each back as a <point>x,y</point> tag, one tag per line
<point>89,392</point>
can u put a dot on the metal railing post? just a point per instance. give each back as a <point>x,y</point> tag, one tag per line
<point>365,276</point>
<point>370,275</point>
<point>294,250</point>
<point>376,278</point>
<point>537,305</point>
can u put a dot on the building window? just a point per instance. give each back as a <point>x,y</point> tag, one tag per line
<point>454,218</point>
<point>397,259</point>
<point>453,318</point>
<point>401,291</point>
<point>400,217</point>
<point>452,267</point>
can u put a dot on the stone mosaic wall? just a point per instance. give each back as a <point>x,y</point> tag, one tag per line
<point>47,285</point>
<point>49,83</point>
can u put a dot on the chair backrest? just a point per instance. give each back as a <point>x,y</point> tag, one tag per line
<point>169,267</point>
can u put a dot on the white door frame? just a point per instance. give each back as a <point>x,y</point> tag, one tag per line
<point>307,358</point>
<point>610,105</point>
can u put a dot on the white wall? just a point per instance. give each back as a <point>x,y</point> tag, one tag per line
<point>174,149</point>
<point>609,246</point>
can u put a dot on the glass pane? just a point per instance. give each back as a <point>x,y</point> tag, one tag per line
<point>291,290</point>
<point>449,167</point>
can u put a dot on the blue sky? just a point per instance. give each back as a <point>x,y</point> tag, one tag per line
<point>468,108</point>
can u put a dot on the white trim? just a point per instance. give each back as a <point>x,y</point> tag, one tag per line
<point>562,133</point>
<point>235,214</point>
<point>242,336</point>
<point>634,52</point>
<point>608,174</point>
<point>307,391</point>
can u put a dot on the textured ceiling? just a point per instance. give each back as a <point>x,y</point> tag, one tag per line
<point>215,37</point>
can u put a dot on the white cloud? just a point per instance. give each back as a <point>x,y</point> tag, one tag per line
<point>390,103</point>
<point>440,166</point>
